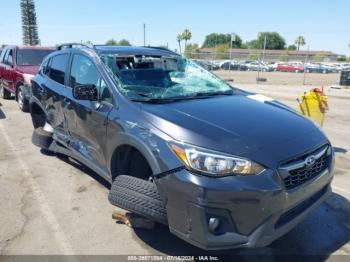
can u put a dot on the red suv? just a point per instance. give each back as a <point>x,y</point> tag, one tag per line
<point>18,65</point>
<point>290,67</point>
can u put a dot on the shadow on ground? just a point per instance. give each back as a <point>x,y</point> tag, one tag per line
<point>321,234</point>
<point>2,114</point>
<point>340,150</point>
<point>78,166</point>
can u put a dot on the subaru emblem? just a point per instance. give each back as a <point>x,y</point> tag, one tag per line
<point>310,161</point>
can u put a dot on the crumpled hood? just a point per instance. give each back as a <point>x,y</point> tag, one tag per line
<point>238,125</point>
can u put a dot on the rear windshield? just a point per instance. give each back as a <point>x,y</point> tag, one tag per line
<point>31,57</point>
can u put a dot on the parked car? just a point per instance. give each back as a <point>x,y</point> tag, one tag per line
<point>221,167</point>
<point>258,66</point>
<point>234,66</point>
<point>318,68</point>
<point>289,67</point>
<point>207,65</point>
<point>18,65</point>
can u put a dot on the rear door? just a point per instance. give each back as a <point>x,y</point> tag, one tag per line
<point>53,93</point>
<point>87,120</point>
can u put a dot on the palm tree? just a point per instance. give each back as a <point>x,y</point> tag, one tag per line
<point>300,41</point>
<point>186,35</point>
<point>179,39</point>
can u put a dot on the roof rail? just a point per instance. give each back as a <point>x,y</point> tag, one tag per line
<point>73,45</point>
<point>161,48</point>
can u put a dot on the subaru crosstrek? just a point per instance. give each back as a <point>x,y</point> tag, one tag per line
<point>232,168</point>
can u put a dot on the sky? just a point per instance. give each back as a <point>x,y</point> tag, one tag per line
<point>324,23</point>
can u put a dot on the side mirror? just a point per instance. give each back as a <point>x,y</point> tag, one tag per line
<point>85,92</point>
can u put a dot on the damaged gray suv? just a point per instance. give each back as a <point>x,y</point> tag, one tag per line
<point>223,168</point>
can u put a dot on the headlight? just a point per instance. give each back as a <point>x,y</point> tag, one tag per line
<point>28,78</point>
<point>214,163</point>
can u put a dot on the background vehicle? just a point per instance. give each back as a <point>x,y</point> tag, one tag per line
<point>290,67</point>
<point>258,66</point>
<point>319,68</point>
<point>150,114</point>
<point>208,65</point>
<point>233,66</point>
<point>18,65</point>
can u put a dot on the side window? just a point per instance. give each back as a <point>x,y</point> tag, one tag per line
<point>44,67</point>
<point>10,58</point>
<point>84,72</point>
<point>2,55</point>
<point>58,68</point>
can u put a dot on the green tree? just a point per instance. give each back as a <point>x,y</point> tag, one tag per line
<point>215,39</point>
<point>253,44</point>
<point>284,57</point>
<point>300,41</point>
<point>179,39</point>
<point>221,51</point>
<point>191,51</point>
<point>319,57</point>
<point>186,36</point>
<point>29,24</point>
<point>292,47</point>
<point>342,58</point>
<point>124,42</point>
<point>111,42</point>
<point>273,41</point>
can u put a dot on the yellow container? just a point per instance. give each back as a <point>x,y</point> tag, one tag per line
<point>314,105</point>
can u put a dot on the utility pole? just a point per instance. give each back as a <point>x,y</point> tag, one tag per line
<point>262,58</point>
<point>144,34</point>
<point>306,61</point>
<point>233,38</point>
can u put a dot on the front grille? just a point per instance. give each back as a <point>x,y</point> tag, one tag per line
<point>299,176</point>
<point>297,210</point>
<point>296,172</point>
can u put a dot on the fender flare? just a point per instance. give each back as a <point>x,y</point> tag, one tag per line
<point>123,139</point>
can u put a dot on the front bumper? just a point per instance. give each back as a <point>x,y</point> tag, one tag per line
<point>253,211</point>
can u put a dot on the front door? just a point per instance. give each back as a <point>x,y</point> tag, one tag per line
<point>87,120</point>
<point>8,79</point>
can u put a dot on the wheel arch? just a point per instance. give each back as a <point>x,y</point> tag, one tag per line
<point>126,140</point>
<point>37,113</point>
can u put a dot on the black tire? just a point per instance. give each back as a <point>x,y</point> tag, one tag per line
<point>41,138</point>
<point>4,93</point>
<point>23,103</point>
<point>138,196</point>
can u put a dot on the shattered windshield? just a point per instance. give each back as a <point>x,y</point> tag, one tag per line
<point>164,78</point>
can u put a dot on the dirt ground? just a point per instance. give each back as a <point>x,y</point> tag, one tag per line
<point>50,205</point>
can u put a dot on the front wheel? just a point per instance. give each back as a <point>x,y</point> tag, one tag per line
<point>138,196</point>
<point>21,99</point>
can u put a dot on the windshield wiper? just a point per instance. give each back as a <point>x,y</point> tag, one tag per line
<point>218,93</point>
<point>155,100</point>
<point>172,99</point>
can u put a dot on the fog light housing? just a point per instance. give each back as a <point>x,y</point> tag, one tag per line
<point>214,225</point>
